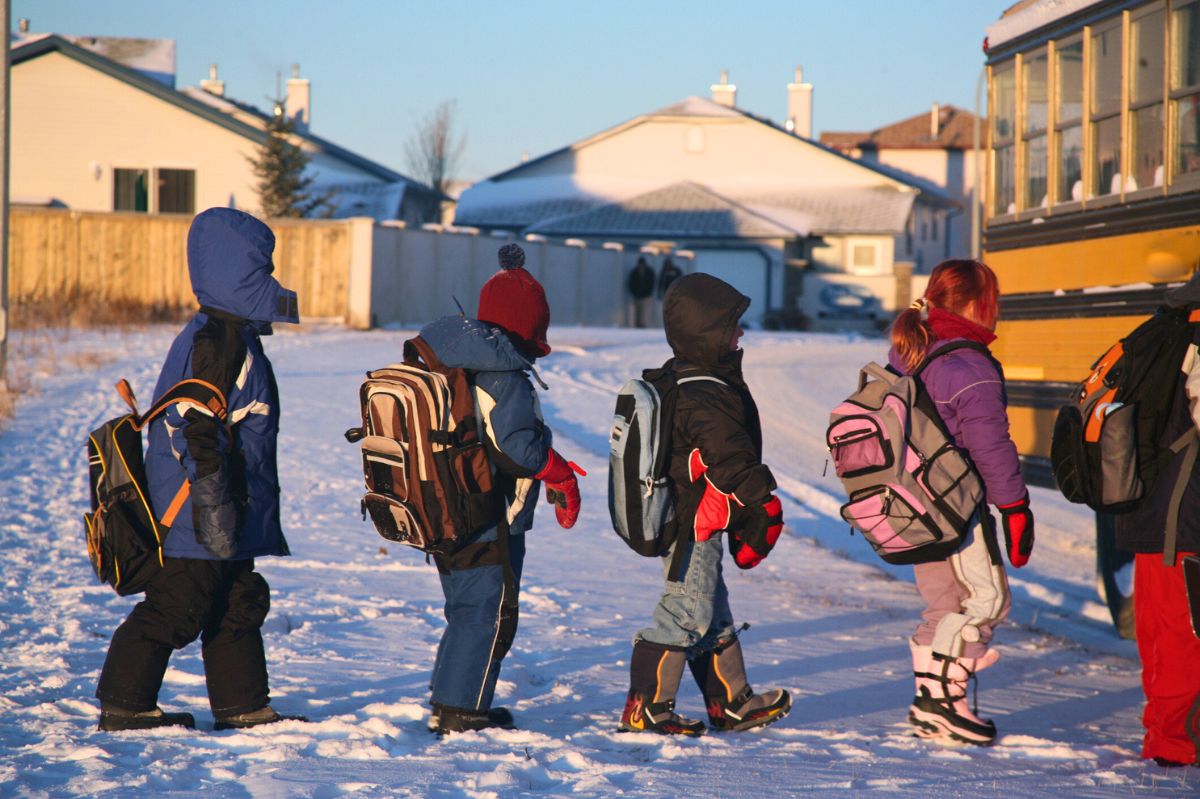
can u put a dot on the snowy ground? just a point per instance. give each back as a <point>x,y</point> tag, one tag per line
<point>355,620</point>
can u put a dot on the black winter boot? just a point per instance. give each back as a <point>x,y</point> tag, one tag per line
<point>732,703</point>
<point>117,719</point>
<point>654,674</point>
<point>255,718</point>
<point>445,720</point>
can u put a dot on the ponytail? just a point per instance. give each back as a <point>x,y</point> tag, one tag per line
<point>911,334</point>
<point>959,286</point>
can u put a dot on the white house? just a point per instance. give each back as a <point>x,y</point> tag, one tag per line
<point>937,147</point>
<point>795,225</point>
<point>98,125</point>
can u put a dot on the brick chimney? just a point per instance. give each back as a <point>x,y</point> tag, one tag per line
<point>799,116</point>
<point>297,103</point>
<point>212,84</point>
<point>724,93</point>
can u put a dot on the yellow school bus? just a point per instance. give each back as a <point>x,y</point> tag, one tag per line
<point>1091,202</point>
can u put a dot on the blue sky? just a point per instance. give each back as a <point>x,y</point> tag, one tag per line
<point>534,75</point>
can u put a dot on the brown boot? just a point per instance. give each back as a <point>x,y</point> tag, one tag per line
<point>654,674</point>
<point>732,703</point>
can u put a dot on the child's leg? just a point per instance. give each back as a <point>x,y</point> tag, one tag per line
<point>686,609</point>
<point>984,597</point>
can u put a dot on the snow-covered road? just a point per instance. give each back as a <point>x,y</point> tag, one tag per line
<point>355,620</point>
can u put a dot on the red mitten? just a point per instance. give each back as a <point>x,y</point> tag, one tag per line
<point>755,539</point>
<point>562,489</point>
<point>1017,520</point>
<point>715,510</point>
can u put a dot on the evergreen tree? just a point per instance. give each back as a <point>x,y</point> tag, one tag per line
<point>284,190</point>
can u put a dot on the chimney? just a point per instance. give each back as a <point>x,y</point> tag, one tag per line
<point>298,100</point>
<point>935,121</point>
<point>724,93</point>
<point>212,85</point>
<point>799,118</point>
<point>23,25</point>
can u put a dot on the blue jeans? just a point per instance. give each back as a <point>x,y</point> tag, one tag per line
<point>693,614</point>
<point>477,635</point>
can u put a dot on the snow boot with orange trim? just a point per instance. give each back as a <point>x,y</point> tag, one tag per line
<point>654,674</point>
<point>732,703</point>
<point>939,708</point>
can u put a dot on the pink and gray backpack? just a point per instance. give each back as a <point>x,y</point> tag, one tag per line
<point>912,492</point>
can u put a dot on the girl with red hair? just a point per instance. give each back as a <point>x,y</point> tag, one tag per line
<point>966,594</point>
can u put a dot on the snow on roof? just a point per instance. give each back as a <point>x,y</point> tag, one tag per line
<point>839,211</point>
<point>154,58</point>
<point>522,202</point>
<point>680,210</point>
<point>380,201</point>
<point>695,107</point>
<point>1028,16</point>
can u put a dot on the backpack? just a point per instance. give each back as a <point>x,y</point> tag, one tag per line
<point>124,534</point>
<point>429,481</point>
<point>640,495</point>
<point>912,492</point>
<point>1107,447</point>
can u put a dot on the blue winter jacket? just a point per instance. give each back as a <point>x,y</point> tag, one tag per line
<point>231,510</point>
<point>517,439</point>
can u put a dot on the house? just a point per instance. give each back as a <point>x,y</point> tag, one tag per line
<point>937,147</point>
<point>799,227</point>
<point>98,125</point>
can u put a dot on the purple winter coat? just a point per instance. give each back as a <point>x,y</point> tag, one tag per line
<point>968,389</point>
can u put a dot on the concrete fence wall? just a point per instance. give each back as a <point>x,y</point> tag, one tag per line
<point>354,270</point>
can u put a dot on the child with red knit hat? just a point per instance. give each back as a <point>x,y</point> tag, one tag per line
<point>481,580</point>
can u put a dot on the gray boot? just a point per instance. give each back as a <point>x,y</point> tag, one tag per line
<point>732,703</point>
<point>654,674</point>
<point>255,718</point>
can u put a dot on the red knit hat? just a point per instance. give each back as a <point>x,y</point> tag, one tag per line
<point>513,300</point>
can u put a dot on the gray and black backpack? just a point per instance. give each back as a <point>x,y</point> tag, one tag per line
<point>640,495</point>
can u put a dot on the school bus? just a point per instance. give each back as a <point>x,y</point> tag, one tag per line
<point>1091,202</point>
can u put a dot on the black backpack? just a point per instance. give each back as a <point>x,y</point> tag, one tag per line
<point>124,534</point>
<point>1107,449</point>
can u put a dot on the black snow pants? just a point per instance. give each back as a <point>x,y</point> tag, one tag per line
<point>224,604</point>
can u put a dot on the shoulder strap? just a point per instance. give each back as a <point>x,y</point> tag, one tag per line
<point>949,348</point>
<point>194,390</point>
<point>1189,444</point>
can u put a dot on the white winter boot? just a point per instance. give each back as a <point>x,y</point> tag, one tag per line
<point>940,708</point>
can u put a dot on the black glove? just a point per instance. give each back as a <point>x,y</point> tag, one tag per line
<point>214,515</point>
<point>755,534</point>
<point>1017,520</point>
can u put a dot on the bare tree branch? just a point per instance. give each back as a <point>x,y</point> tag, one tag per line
<point>434,150</point>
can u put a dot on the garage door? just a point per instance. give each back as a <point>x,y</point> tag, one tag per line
<point>745,270</point>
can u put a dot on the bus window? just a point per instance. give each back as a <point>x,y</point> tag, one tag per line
<point>1185,87</point>
<point>1004,117</point>
<point>1106,110</point>
<point>1037,114</point>
<point>1147,67</point>
<point>1068,157</point>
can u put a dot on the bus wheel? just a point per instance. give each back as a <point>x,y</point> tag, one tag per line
<point>1114,576</point>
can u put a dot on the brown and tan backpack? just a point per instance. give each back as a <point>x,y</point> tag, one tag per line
<point>429,480</point>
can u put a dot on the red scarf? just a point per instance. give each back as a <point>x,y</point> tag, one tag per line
<point>947,325</point>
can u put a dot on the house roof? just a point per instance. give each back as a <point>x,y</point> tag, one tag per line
<point>683,210</point>
<point>218,110</point>
<point>700,107</point>
<point>878,209</point>
<point>956,131</point>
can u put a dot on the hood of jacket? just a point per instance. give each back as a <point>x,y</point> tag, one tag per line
<point>464,343</point>
<point>700,314</point>
<point>230,264</point>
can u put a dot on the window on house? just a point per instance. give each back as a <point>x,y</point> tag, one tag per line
<point>1068,140</point>
<point>1034,74</point>
<point>1185,87</point>
<point>1004,116</point>
<point>1147,72</point>
<point>176,191</point>
<point>865,256</point>
<point>131,190</point>
<point>1105,112</point>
